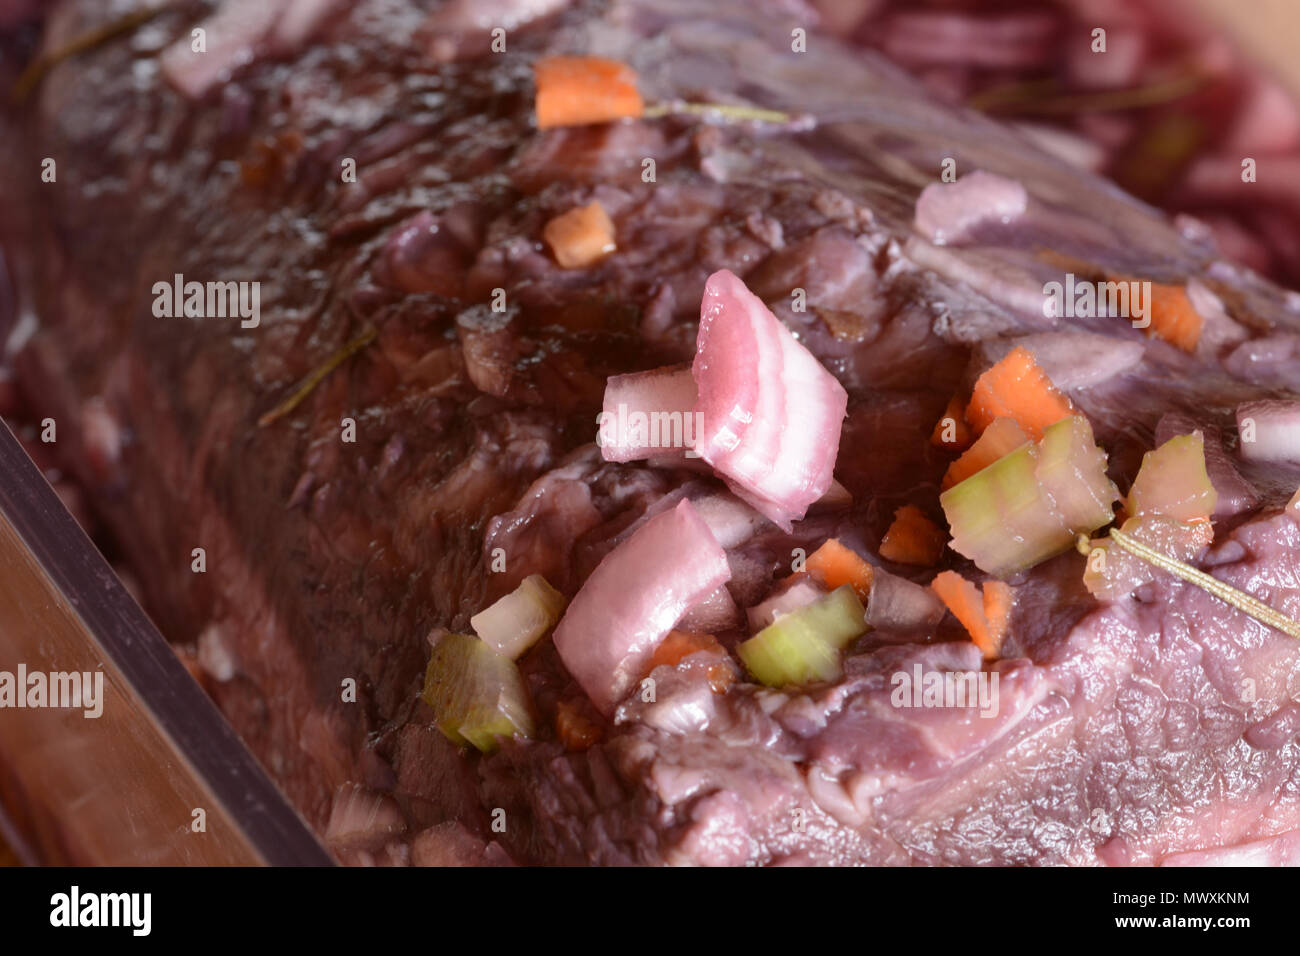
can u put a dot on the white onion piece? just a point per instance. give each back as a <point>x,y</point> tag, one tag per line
<point>947,212</point>
<point>637,593</point>
<point>1269,430</point>
<point>771,414</point>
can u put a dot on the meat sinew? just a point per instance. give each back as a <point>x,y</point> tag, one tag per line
<point>453,456</point>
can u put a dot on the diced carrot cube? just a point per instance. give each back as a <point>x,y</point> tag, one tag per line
<point>1017,388</point>
<point>1001,437</point>
<point>998,599</point>
<point>837,566</point>
<point>578,90</point>
<point>913,539</point>
<point>581,236</point>
<point>1173,317</point>
<point>985,616</point>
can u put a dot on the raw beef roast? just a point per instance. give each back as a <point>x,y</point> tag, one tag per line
<point>443,462</point>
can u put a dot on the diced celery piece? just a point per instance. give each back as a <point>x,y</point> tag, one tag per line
<point>1112,573</point>
<point>784,657</point>
<point>1173,481</point>
<point>804,645</point>
<point>1002,518</point>
<point>517,621</point>
<point>1072,470</point>
<point>476,694</point>
<point>1031,503</point>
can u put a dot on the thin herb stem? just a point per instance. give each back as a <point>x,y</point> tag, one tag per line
<point>1224,592</point>
<point>315,377</point>
<point>1035,98</point>
<point>89,40</point>
<point>727,111</point>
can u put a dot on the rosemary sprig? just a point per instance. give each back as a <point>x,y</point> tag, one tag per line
<point>727,111</point>
<point>89,40</point>
<point>1041,98</point>
<point>317,376</point>
<point>1224,592</point>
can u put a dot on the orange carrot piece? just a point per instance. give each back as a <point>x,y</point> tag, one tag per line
<point>1017,388</point>
<point>985,616</point>
<point>581,236</point>
<point>1002,437</point>
<point>576,729</point>
<point>964,600</point>
<point>678,646</point>
<point>951,431</point>
<point>1173,317</point>
<point>837,566</point>
<point>997,612</point>
<point>577,90</point>
<point>913,539</point>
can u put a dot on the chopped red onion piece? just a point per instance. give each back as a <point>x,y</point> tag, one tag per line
<point>648,415</point>
<point>800,591</point>
<point>717,612</point>
<point>771,413</point>
<point>731,520</point>
<point>636,595</point>
<point>898,604</point>
<point>947,212</point>
<point>1269,430</point>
